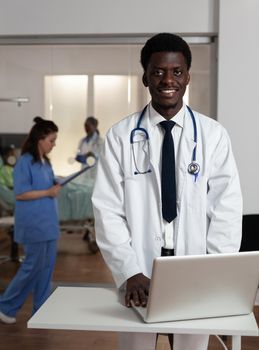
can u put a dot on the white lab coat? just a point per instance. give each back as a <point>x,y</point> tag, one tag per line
<point>127,207</point>
<point>94,145</point>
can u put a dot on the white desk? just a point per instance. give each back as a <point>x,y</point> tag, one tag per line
<point>98,309</point>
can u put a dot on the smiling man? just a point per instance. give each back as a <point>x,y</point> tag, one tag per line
<point>167,184</point>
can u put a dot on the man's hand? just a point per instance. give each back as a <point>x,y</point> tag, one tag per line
<point>137,288</point>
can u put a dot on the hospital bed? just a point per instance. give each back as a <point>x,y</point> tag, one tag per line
<point>74,207</point>
<point>6,227</point>
<point>76,211</point>
<point>7,222</point>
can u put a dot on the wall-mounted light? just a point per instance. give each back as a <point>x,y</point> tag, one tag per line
<point>18,100</point>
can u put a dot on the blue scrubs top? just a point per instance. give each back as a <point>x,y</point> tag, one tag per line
<point>35,220</point>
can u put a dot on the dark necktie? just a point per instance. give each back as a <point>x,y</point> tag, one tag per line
<point>168,186</point>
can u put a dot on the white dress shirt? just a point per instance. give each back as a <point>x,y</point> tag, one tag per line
<point>155,119</point>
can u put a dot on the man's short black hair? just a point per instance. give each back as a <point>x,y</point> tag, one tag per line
<point>165,42</point>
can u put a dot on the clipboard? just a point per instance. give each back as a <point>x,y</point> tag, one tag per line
<point>90,163</point>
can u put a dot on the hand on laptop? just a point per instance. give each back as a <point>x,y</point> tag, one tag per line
<point>137,288</point>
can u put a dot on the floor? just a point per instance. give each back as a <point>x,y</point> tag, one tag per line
<point>76,265</point>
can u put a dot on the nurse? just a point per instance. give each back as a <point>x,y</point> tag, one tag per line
<point>36,221</point>
<point>145,206</point>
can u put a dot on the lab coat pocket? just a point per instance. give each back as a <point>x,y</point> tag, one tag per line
<point>140,197</point>
<point>137,185</point>
<point>196,191</point>
<point>140,155</point>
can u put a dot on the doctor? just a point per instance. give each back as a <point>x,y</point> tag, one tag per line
<point>131,227</point>
<point>90,145</point>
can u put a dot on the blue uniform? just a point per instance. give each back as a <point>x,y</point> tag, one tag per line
<point>37,229</point>
<point>35,220</point>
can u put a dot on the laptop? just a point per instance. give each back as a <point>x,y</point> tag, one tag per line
<point>201,286</point>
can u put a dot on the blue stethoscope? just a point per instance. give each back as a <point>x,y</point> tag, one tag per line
<point>193,167</point>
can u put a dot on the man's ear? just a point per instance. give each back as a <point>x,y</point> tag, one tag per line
<point>188,79</point>
<point>144,80</point>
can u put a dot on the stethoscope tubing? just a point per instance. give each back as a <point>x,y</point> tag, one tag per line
<point>194,133</point>
<point>193,167</point>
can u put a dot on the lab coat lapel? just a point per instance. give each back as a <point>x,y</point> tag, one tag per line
<point>154,162</point>
<point>185,152</point>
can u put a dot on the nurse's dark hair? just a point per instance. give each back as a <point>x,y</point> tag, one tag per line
<point>165,42</point>
<point>41,129</point>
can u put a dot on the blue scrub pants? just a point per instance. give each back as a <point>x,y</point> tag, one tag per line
<point>34,276</point>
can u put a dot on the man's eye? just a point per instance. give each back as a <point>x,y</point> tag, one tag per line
<point>158,73</point>
<point>177,73</point>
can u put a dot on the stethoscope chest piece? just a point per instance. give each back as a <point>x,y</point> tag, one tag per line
<point>193,168</point>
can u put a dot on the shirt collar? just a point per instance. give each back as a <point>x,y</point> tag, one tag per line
<point>156,118</point>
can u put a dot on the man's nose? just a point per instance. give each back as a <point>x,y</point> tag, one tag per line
<point>168,77</point>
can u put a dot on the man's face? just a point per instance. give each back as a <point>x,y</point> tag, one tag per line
<point>166,77</point>
<point>89,128</point>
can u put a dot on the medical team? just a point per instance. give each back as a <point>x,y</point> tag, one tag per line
<point>130,227</point>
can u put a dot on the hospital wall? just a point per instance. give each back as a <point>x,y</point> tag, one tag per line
<point>238,78</point>
<point>235,22</point>
<point>65,17</point>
